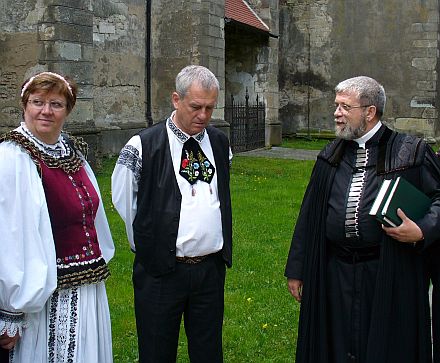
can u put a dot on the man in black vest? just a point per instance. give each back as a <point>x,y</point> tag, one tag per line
<point>171,187</point>
<point>363,287</point>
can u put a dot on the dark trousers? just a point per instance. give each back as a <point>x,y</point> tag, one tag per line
<point>436,319</point>
<point>4,355</point>
<point>195,291</point>
<point>350,289</point>
<point>434,269</point>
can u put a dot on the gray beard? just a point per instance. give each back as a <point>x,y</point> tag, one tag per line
<point>348,133</point>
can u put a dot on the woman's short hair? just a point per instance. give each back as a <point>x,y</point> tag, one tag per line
<point>50,82</point>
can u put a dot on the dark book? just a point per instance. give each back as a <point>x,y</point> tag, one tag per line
<point>399,193</point>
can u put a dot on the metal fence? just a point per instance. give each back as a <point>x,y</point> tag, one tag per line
<point>247,124</point>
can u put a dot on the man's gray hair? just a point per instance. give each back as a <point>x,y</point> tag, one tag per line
<point>369,91</point>
<point>195,74</point>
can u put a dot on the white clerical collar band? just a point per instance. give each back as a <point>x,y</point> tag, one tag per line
<point>23,90</point>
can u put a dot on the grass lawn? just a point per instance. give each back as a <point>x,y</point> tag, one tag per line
<point>260,316</point>
<point>304,143</point>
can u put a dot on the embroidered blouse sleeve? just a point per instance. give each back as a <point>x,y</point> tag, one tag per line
<point>125,179</point>
<point>27,261</point>
<point>101,224</point>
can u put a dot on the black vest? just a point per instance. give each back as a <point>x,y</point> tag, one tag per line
<point>159,200</point>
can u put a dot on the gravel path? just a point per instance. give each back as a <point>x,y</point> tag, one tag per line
<point>282,153</point>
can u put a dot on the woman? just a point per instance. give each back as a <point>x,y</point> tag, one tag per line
<point>54,235</point>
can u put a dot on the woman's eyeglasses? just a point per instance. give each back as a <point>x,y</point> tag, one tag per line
<point>54,105</point>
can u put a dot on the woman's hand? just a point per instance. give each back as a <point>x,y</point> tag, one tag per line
<point>7,342</point>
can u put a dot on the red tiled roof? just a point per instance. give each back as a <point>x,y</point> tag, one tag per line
<point>240,11</point>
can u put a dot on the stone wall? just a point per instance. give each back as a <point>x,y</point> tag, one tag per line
<point>119,99</point>
<point>268,69</point>
<point>313,45</point>
<point>19,52</point>
<point>102,44</point>
<point>323,42</point>
<point>95,43</point>
<point>187,32</point>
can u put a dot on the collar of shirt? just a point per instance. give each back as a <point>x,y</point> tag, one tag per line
<point>181,135</point>
<point>58,150</point>
<point>362,140</point>
<point>177,138</point>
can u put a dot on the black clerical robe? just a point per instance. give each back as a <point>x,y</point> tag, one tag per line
<point>374,310</point>
<point>433,260</point>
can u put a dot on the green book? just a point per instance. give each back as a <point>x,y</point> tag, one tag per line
<point>399,193</point>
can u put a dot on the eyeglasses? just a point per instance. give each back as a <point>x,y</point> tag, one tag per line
<point>348,108</point>
<point>54,105</point>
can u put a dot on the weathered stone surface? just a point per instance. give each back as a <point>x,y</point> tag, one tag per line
<point>417,126</point>
<point>322,43</point>
<point>68,15</point>
<point>67,32</point>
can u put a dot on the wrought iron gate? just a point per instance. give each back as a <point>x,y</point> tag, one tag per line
<point>247,124</point>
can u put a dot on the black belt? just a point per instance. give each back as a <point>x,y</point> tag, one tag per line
<point>194,260</point>
<point>354,254</point>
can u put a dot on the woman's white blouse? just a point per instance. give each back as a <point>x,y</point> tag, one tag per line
<point>28,273</point>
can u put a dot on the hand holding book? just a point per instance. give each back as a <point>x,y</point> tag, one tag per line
<point>408,231</point>
<point>400,204</point>
<point>399,193</point>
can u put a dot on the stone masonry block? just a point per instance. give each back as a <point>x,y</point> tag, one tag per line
<point>218,10</point>
<point>76,33</point>
<point>219,43</point>
<point>426,86</point>
<point>69,51</point>
<point>425,43</point>
<point>423,36</point>
<point>76,4</point>
<point>85,91</point>
<point>82,112</point>
<point>214,31</point>
<point>424,27</point>
<point>421,103</point>
<point>417,27</point>
<point>87,52</point>
<point>106,28</point>
<point>60,31</point>
<point>433,16</point>
<point>217,52</point>
<point>98,38</point>
<point>424,52</point>
<point>427,64</point>
<point>430,113</point>
<point>68,15</point>
<point>414,125</point>
<point>59,50</point>
<point>46,32</point>
<point>82,72</point>
<point>221,98</point>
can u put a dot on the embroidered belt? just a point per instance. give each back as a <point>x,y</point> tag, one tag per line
<point>355,254</point>
<point>77,274</point>
<point>194,260</point>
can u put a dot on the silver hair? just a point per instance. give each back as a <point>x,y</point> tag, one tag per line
<point>195,74</point>
<point>368,90</point>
